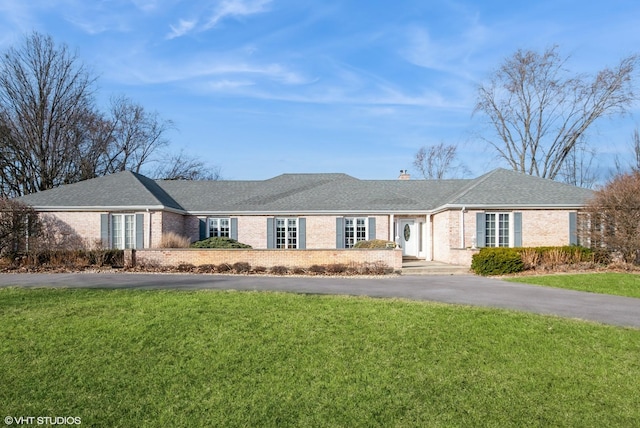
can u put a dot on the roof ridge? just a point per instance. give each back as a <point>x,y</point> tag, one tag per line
<point>153,187</point>
<point>474,183</point>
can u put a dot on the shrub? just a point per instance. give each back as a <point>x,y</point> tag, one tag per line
<point>317,269</point>
<point>219,242</point>
<point>336,268</point>
<point>375,244</point>
<point>279,270</point>
<point>259,269</point>
<point>185,267</point>
<point>241,267</point>
<point>174,240</point>
<point>298,271</point>
<point>223,267</point>
<point>103,257</point>
<point>530,258</point>
<point>206,268</point>
<point>497,261</point>
<point>552,257</point>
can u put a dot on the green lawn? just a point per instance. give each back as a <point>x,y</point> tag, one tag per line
<point>124,358</point>
<point>619,284</point>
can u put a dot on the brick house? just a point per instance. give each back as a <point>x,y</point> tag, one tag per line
<point>429,219</point>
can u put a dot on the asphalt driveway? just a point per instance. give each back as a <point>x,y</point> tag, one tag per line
<point>460,289</point>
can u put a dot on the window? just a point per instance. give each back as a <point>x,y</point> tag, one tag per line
<point>219,227</point>
<point>497,230</point>
<point>355,230</point>
<point>123,231</point>
<point>286,233</point>
<point>351,230</point>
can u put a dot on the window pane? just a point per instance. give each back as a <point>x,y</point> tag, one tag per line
<point>129,231</point>
<point>224,227</point>
<point>116,231</point>
<point>503,240</point>
<point>293,233</point>
<point>490,240</point>
<point>361,230</point>
<point>213,227</point>
<point>281,233</point>
<point>348,233</point>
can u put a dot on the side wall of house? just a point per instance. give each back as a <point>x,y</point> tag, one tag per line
<point>171,223</point>
<point>78,229</point>
<point>539,228</point>
<point>542,228</point>
<point>320,230</point>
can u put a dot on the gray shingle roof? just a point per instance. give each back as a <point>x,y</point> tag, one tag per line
<point>501,187</point>
<point>305,193</point>
<point>123,189</point>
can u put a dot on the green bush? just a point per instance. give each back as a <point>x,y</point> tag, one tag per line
<point>219,242</point>
<point>497,261</point>
<point>375,244</point>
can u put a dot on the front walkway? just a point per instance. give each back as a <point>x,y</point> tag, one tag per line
<point>423,267</point>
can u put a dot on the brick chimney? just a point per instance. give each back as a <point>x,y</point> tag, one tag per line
<point>404,175</point>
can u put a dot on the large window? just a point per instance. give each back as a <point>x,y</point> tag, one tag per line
<point>123,231</point>
<point>219,227</point>
<point>286,233</point>
<point>497,230</point>
<point>355,230</point>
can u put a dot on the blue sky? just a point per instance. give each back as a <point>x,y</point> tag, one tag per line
<point>264,87</point>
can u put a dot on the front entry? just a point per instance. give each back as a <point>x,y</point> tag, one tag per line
<point>408,235</point>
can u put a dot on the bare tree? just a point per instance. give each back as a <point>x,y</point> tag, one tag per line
<point>46,96</point>
<point>436,162</point>
<point>579,168</point>
<point>635,150</point>
<point>51,134</point>
<point>18,222</point>
<point>539,112</point>
<point>614,216</point>
<point>134,136</point>
<point>634,163</point>
<point>182,167</point>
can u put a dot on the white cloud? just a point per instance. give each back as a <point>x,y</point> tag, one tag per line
<point>228,85</point>
<point>224,9</point>
<point>236,8</point>
<point>224,72</point>
<point>146,5</point>
<point>181,29</point>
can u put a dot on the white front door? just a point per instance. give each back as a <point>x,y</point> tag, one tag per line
<point>408,238</point>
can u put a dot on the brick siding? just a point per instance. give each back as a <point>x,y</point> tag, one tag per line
<point>264,258</point>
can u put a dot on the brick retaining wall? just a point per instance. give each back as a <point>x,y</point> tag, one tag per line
<point>265,258</point>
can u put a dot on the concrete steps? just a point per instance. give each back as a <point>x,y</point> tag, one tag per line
<point>422,267</point>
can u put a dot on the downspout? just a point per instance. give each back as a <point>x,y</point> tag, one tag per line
<point>430,231</point>
<point>391,220</point>
<point>462,227</point>
<point>150,234</point>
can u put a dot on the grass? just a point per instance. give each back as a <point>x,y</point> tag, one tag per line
<point>619,284</point>
<point>122,358</point>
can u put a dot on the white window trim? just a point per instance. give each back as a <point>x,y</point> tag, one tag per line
<point>209,219</point>
<point>286,237</point>
<point>511,228</point>
<point>122,234</point>
<point>355,229</point>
